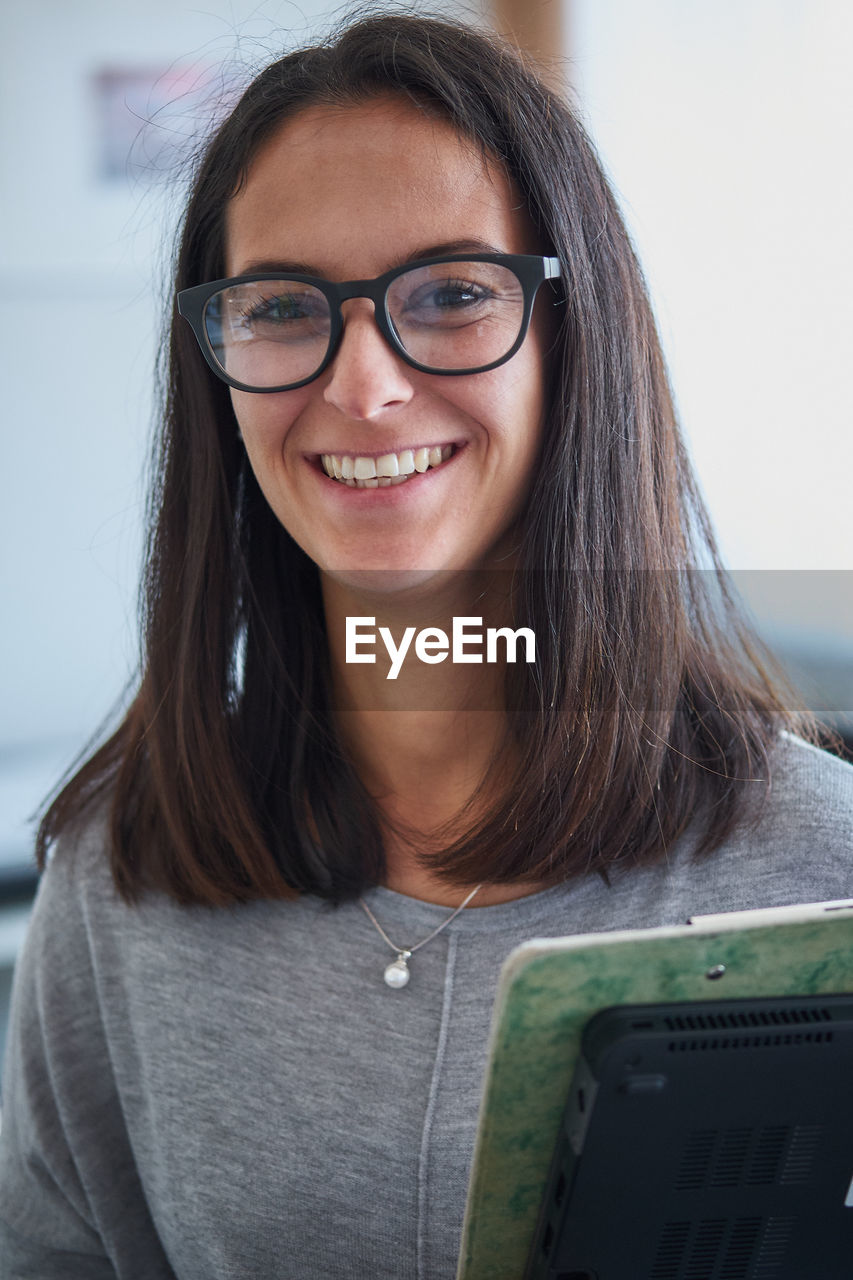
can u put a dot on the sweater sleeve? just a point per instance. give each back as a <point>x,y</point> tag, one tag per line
<point>62,1135</point>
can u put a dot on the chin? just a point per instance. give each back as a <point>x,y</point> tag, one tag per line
<point>388,580</point>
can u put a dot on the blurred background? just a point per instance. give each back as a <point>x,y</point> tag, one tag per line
<point>727,129</point>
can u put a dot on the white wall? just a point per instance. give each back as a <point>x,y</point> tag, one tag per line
<point>727,126</point>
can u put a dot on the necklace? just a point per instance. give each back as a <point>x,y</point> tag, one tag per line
<point>397,972</point>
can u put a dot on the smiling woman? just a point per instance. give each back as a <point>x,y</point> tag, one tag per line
<point>369,391</point>
<point>414,383</point>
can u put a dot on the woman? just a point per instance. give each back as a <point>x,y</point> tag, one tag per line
<point>413,380</point>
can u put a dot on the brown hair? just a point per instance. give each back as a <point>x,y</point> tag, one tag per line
<point>648,709</point>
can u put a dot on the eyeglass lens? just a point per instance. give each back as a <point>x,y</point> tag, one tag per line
<point>455,315</point>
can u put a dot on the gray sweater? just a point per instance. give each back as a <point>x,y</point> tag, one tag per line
<point>223,1094</point>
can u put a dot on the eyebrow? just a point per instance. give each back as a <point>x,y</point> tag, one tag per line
<point>446,247</point>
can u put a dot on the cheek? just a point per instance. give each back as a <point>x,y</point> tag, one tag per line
<point>512,407</point>
<point>265,421</point>
<point>530,395</point>
<point>266,424</point>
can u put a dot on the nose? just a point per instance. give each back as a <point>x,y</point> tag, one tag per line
<point>367,377</point>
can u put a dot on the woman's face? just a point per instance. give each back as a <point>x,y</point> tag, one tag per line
<point>349,193</point>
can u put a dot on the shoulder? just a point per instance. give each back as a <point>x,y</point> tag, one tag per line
<point>809,795</point>
<point>795,843</point>
<point>77,879</point>
<point>800,818</point>
<point>63,1104</point>
<point>55,966</point>
<point>81,927</point>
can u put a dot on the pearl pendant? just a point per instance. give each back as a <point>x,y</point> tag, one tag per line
<point>397,973</point>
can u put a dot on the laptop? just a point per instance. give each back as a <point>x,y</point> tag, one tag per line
<point>632,1073</point>
<point>705,1140</point>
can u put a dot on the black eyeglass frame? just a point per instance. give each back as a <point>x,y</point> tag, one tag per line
<point>531,270</point>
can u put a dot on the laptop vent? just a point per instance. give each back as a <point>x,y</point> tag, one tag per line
<point>770,1040</point>
<point>773,1247</point>
<point>797,1169</point>
<point>737,1018</point>
<point>777,1155</point>
<point>722,1249</point>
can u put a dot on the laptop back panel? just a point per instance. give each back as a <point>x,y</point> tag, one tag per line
<point>706,1141</point>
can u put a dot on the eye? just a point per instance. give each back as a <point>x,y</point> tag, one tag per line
<point>452,296</point>
<point>449,304</point>
<point>282,308</point>
<point>273,311</point>
<point>446,295</point>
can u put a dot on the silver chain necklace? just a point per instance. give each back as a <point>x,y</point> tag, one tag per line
<point>397,972</point>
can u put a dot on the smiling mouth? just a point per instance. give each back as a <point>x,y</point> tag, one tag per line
<point>359,472</point>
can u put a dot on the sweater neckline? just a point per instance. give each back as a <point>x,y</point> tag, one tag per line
<point>399,906</point>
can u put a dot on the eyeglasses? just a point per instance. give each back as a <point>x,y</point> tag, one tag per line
<point>454,315</point>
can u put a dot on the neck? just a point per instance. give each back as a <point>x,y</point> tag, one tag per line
<point>387,655</point>
<point>422,741</point>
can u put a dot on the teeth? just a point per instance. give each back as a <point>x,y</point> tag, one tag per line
<point>387,465</point>
<point>390,468</point>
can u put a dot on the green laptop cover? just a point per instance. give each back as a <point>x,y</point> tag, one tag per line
<point>548,991</point>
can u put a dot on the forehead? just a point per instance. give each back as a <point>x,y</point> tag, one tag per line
<point>354,190</point>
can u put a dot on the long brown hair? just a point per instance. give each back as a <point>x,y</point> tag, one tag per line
<point>648,709</point>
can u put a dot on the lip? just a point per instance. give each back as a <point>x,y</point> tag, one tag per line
<point>354,451</point>
<point>416,483</point>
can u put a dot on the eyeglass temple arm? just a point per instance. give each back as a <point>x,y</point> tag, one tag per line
<point>552,268</point>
